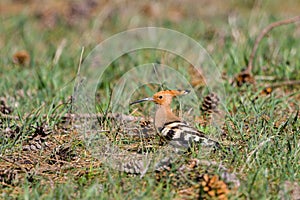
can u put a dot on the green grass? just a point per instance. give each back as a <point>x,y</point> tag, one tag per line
<point>261,130</point>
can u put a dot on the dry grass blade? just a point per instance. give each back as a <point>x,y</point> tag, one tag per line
<point>59,51</point>
<point>14,163</point>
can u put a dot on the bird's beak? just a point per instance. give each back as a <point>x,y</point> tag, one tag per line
<point>141,100</point>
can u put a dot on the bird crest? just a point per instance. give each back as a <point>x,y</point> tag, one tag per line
<point>163,97</point>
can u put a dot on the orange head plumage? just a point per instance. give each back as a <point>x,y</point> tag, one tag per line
<point>163,98</point>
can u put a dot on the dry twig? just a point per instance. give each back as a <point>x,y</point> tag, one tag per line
<point>284,83</point>
<point>246,75</point>
<point>264,32</point>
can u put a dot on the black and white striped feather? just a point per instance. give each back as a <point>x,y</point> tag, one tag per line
<point>181,135</point>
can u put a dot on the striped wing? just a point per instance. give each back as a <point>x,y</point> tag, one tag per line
<point>182,135</point>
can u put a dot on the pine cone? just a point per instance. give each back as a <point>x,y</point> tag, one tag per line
<point>208,107</point>
<point>212,187</point>
<point>210,103</point>
<point>244,77</point>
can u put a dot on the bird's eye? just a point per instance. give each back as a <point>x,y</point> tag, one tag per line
<point>160,97</point>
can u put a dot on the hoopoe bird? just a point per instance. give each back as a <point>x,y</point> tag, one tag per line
<point>177,132</point>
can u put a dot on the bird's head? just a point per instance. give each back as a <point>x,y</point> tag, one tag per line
<point>163,98</point>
